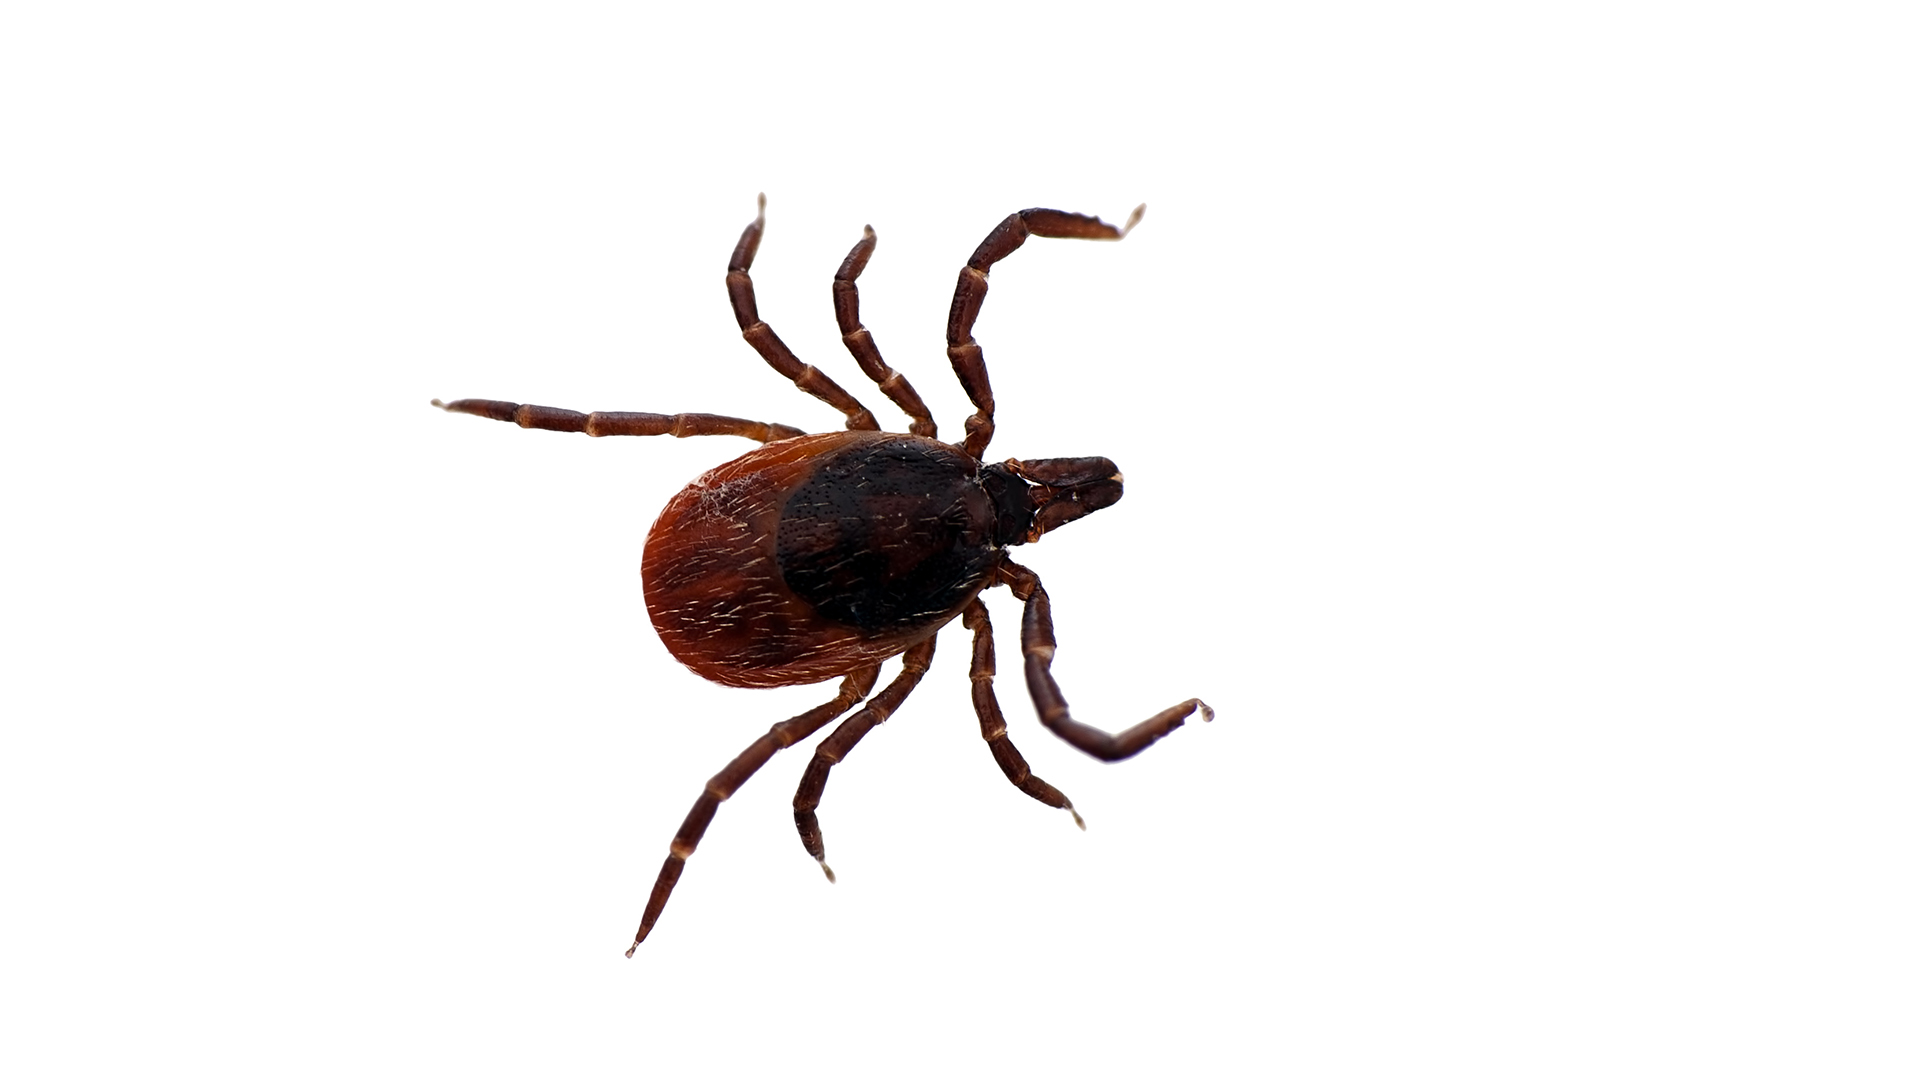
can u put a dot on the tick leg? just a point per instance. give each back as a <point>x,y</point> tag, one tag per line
<point>1037,644</point>
<point>769,346</point>
<point>728,780</point>
<point>993,725</point>
<point>971,291</point>
<point>839,744</point>
<point>679,425</point>
<point>846,308</point>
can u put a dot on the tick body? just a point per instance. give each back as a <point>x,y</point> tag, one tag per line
<point>818,557</point>
<point>811,558</point>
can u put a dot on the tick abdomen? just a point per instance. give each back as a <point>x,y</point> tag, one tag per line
<point>810,558</point>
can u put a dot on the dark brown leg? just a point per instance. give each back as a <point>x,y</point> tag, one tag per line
<point>993,725</point>
<point>679,425</point>
<point>728,780</point>
<point>1036,642</point>
<point>839,744</point>
<point>846,308</point>
<point>971,291</point>
<point>769,346</point>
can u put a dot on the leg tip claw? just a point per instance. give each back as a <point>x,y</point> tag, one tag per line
<point>1206,711</point>
<point>1077,819</point>
<point>828,870</point>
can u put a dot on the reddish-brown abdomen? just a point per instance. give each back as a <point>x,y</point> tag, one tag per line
<point>813,557</point>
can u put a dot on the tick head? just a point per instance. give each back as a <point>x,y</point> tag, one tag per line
<point>1035,497</point>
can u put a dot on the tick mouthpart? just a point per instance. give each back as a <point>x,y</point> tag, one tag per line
<point>1055,491</point>
<point>1032,498</point>
<point>1066,472</point>
<point>1055,506</point>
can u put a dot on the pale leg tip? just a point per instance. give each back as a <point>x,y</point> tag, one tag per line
<point>630,949</point>
<point>437,403</point>
<point>1077,819</point>
<point>828,870</point>
<point>1206,711</point>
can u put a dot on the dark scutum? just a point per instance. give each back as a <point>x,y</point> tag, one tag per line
<point>888,534</point>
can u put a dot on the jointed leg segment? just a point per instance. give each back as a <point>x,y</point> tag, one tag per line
<point>771,349</point>
<point>728,780</point>
<point>971,291</point>
<point>846,309</point>
<point>993,725</point>
<point>679,425</point>
<point>841,743</point>
<point>1037,644</point>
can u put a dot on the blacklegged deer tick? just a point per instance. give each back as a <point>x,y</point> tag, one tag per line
<point>818,557</point>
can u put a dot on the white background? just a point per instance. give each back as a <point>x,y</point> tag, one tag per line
<point>1518,416</point>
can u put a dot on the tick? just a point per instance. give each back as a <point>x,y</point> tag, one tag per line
<point>818,557</point>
